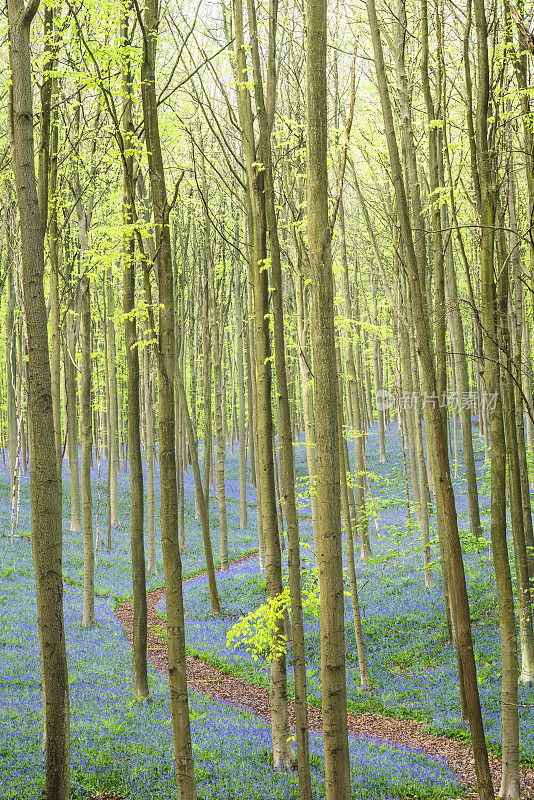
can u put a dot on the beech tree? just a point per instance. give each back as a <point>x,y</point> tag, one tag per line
<point>334,697</point>
<point>45,485</point>
<point>165,353</point>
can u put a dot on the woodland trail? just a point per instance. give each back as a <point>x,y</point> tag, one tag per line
<point>206,679</point>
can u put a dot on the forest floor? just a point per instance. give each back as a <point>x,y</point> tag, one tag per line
<point>207,679</point>
<point>409,740</point>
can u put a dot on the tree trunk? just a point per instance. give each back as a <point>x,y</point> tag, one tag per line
<point>285,439</point>
<point>378,372</point>
<point>113,404</point>
<point>86,420</point>
<point>347,508</point>
<point>139,649</point>
<point>150,457</point>
<point>247,328</point>
<point>72,413</point>
<point>206,346</point>
<point>44,484</point>
<point>172,564</point>
<point>306,386</point>
<point>421,507</point>
<point>442,476</point>
<point>55,340</point>
<point>333,677</point>
<point>11,367</point>
<point>355,412</point>
<point>283,753</point>
<point>516,314</point>
<point>242,434</point>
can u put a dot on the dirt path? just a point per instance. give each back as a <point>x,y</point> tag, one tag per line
<point>208,680</point>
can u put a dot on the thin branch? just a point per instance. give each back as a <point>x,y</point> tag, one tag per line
<point>526,35</point>
<point>29,12</point>
<point>341,177</point>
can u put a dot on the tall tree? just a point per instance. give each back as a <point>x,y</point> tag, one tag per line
<point>140,677</point>
<point>172,563</point>
<point>325,380</point>
<point>265,105</point>
<point>442,478</point>
<point>283,753</point>
<point>44,483</point>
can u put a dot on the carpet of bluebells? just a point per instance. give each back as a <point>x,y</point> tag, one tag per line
<point>413,669</point>
<point>125,747</point>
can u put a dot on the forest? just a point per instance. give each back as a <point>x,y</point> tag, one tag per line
<point>266,400</point>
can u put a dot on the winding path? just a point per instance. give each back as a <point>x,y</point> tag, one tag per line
<point>208,680</point>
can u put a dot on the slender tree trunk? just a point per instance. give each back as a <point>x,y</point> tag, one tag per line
<point>347,507</point>
<point>527,383</point>
<point>401,418</point>
<point>283,753</point>
<point>150,457</point>
<point>140,676</point>
<point>422,469</point>
<point>84,214</point>
<point>214,347</point>
<point>183,754</point>
<point>108,424</point>
<point>378,372</point>
<point>306,386</point>
<point>55,341</point>
<point>11,369</point>
<point>285,438</point>
<point>526,636</point>
<point>201,493</point>
<point>515,315</point>
<point>247,327</point>
<point>333,678</point>
<point>113,403</point>
<point>421,507</point>
<point>180,346</point>
<point>240,325</point>
<point>206,345</point>
<point>355,407</point>
<point>220,440</point>
<point>442,476</point>
<point>20,398</point>
<point>72,425</point>
<point>86,419</point>
<point>44,484</point>
<point>140,679</point>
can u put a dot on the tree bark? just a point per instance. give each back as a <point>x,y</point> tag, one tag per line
<point>333,677</point>
<point>355,406</point>
<point>139,649</point>
<point>72,421</point>
<point>11,362</point>
<point>55,340</point>
<point>150,458</point>
<point>44,484</point>
<point>113,447</point>
<point>442,476</point>
<point>183,754</point>
<point>285,438</point>
<point>86,421</point>
<point>283,754</point>
<point>242,434</point>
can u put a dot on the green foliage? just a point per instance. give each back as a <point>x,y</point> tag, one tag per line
<point>260,632</point>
